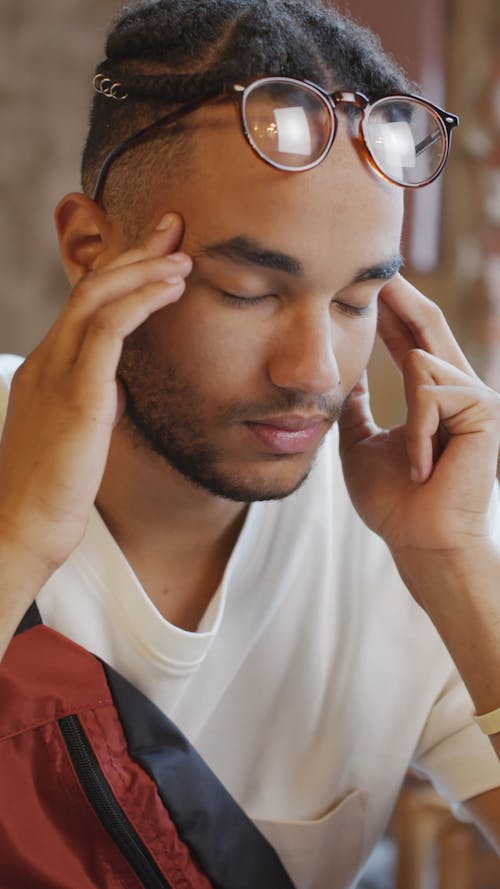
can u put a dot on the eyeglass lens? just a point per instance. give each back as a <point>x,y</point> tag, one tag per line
<point>290,125</point>
<point>407,140</point>
<point>287,124</point>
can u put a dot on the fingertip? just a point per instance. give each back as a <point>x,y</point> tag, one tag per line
<point>418,476</point>
<point>361,387</point>
<point>398,282</point>
<point>166,237</point>
<point>421,465</point>
<point>170,226</point>
<point>415,474</point>
<point>167,222</point>
<point>183,262</point>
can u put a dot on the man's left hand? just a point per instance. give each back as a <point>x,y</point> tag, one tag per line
<point>424,486</point>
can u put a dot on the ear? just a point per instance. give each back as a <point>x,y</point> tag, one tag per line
<point>85,234</point>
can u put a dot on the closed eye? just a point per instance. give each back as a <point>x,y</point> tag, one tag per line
<point>242,301</point>
<point>354,311</point>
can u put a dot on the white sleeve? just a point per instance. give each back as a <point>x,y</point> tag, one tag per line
<point>453,752</point>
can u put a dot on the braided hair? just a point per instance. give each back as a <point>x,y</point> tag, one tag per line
<point>166,52</point>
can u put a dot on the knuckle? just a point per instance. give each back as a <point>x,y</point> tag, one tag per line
<point>435,314</point>
<point>104,320</point>
<point>489,399</point>
<point>485,411</point>
<point>24,375</point>
<point>414,360</point>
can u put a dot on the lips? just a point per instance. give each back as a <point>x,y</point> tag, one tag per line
<point>291,434</point>
<point>292,422</point>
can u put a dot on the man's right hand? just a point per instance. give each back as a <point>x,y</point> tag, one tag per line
<point>65,401</point>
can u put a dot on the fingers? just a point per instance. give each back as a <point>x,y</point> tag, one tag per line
<point>101,348</point>
<point>144,270</point>
<point>445,397</point>
<point>110,284</point>
<point>164,238</point>
<point>442,398</point>
<point>103,288</point>
<point>408,320</point>
<point>65,398</point>
<point>150,262</point>
<point>356,421</point>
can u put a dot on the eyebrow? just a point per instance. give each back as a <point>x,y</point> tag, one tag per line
<point>246,251</point>
<point>382,271</point>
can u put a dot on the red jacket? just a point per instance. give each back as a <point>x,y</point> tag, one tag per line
<point>99,790</point>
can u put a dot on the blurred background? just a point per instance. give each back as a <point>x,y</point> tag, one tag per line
<point>48,52</point>
<point>452,245</point>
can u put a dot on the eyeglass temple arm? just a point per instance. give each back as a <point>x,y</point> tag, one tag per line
<point>427,142</point>
<point>432,138</point>
<point>145,132</point>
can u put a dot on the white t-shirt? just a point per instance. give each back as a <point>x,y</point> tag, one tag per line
<point>312,684</point>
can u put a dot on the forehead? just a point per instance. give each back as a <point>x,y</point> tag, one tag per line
<point>341,209</point>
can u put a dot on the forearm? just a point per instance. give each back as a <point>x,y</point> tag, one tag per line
<point>21,578</point>
<point>461,595</point>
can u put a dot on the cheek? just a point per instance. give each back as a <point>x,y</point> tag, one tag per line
<point>353,342</point>
<point>201,341</point>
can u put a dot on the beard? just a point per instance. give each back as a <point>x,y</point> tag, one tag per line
<point>165,414</point>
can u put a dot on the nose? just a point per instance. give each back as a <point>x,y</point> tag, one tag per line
<point>303,356</point>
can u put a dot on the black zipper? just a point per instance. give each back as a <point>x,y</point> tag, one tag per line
<point>106,807</point>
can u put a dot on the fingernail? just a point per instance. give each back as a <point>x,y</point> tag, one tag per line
<point>174,282</point>
<point>166,222</point>
<point>414,474</point>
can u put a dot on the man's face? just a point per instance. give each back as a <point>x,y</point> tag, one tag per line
<point>238,393</point>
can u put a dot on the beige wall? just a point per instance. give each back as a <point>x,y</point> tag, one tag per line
<point>47,53</point>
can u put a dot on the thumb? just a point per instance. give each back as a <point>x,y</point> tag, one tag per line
<point>356,421</point>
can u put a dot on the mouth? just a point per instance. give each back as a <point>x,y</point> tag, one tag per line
<point>290,434</point>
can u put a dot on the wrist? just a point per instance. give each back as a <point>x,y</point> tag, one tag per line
<point>437,578</point>
<point>460,593</point>
<point>22,569</point>
<point>22,575</point>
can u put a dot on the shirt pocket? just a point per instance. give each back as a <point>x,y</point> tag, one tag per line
<point>325,853</point>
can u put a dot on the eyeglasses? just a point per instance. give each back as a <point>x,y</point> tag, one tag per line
<point>291,125</point>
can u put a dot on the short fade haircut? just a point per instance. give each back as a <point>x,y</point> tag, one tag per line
<point>171,51</point>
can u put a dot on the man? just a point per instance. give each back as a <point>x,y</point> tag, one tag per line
<point>226,272</point>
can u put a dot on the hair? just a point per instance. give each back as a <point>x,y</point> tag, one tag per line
<point>166,52</point>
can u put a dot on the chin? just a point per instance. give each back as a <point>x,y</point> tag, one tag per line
<point>247,487</point>
<point>208,468</point>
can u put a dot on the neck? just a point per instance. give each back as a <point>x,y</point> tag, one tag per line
<point>177,537</point>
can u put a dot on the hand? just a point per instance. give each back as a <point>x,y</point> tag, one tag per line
<point>66,400</point>
<point>424,486</point>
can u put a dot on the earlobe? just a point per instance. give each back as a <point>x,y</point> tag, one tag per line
<point>84,231</point>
